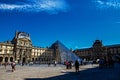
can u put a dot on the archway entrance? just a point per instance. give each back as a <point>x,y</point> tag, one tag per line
<point>6,59</point>
<point>24,60</point>
<point>32,59</point>
<point>1,59</point>
<point>35,59</point>
<point>11,59</point>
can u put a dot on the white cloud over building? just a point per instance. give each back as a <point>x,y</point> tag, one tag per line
<point>50,6</point>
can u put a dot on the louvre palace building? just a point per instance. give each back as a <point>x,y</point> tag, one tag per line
<point>21,49</point>
<point>98,50</point>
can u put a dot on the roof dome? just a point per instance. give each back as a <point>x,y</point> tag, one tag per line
<point>97,43</point>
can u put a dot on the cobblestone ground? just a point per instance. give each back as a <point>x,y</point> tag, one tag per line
<point>43,72</point>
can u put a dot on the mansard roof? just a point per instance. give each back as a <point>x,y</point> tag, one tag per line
<point>83,49</point>
<point>114,45</point>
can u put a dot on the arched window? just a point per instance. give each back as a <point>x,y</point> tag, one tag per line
<point>6,59</point>
<point>11,59</point>
<point>33,59</point>
<point>1,59</point>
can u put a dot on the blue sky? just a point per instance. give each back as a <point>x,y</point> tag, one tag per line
<point>76,23</point>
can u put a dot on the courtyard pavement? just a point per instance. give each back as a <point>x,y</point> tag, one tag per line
<point>43,72</point>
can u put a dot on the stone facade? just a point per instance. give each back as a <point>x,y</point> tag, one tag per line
<point>98,50</point>
<point>20,49</point>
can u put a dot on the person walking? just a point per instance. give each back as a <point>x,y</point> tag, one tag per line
<point>48,64</point>
<point>13,66</point>
<point>76,66</point>
<point>55,63</point>
<point>5,64</point>
<point>67,64</point>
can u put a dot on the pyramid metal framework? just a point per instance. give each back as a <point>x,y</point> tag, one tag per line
<point>66,54</point>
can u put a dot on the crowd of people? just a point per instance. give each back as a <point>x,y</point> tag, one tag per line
<point>103,63</point>
<point>12,64</point>
<point>55,63</point>
<point>69,65</point>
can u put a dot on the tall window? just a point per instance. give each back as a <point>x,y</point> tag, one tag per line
<point>1,59</point>
<point>5,51</point>
<point>0,50</point>
<point>20,43</point>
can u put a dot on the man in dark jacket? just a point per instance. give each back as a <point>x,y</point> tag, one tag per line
<point>76,66</point>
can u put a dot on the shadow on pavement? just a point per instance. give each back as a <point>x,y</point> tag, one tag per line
<point>89,74</point>
<point>9,71</point>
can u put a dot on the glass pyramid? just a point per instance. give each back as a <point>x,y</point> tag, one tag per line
<point>65,53</point>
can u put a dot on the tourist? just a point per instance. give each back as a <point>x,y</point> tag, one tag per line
<point>101,63</point>
<point>55,63</point>
<point>13,64</point>
<point>76,66</point>
<point>5,64</point>
<point>70,64</point>
<point>48,64</point>
<point>67,64</point>
<point>22,63</point>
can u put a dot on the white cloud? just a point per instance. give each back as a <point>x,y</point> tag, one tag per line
<point>50,6</point>
<point>115,4</point>
<point>13,6</point>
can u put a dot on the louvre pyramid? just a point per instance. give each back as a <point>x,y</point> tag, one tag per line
<point>65,53</point>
